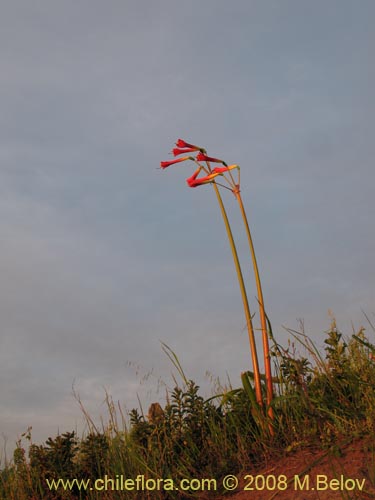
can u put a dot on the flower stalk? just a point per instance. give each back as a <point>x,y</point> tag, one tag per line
<point>249,323</point>
<point>262,313</point>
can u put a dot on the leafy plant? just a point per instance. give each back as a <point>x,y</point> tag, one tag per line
<point>320,398</point>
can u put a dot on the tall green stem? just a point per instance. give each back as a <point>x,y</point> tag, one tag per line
<point>266,351</point>
<point>250,329</point>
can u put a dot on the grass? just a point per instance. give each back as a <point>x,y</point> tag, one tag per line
<point>320,399</point>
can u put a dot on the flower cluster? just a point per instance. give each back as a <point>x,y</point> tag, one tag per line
<point>182,148</point>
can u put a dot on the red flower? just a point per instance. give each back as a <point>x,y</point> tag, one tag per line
<point>178,151</point>
<point>203,157</point>
<point>194,182</point>
<point>182,144</point>
<point>221,170</point>
<point>165,164</point>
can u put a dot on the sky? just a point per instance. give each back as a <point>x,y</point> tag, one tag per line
<point>104,256</point>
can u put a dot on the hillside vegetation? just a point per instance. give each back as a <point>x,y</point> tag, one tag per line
<point>322,399</point>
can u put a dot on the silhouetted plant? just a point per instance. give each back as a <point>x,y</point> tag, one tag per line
<point>94,455</point>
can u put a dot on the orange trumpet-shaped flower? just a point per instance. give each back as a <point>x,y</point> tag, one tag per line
<point>182,144</point>
<point>222,170</point>
<point>202,157</point>
<point>194,182</point>
<point>165,164</point>
<point>178,151</point>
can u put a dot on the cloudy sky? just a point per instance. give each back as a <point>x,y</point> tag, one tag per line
<point>103,256</point>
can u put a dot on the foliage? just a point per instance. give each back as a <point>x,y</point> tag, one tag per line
<point>319,399</point>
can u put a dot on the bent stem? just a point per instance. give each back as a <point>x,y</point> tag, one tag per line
<point>250,329</point>
<point>262,314</point>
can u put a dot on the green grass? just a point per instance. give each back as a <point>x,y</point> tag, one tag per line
<point>320,397</point>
